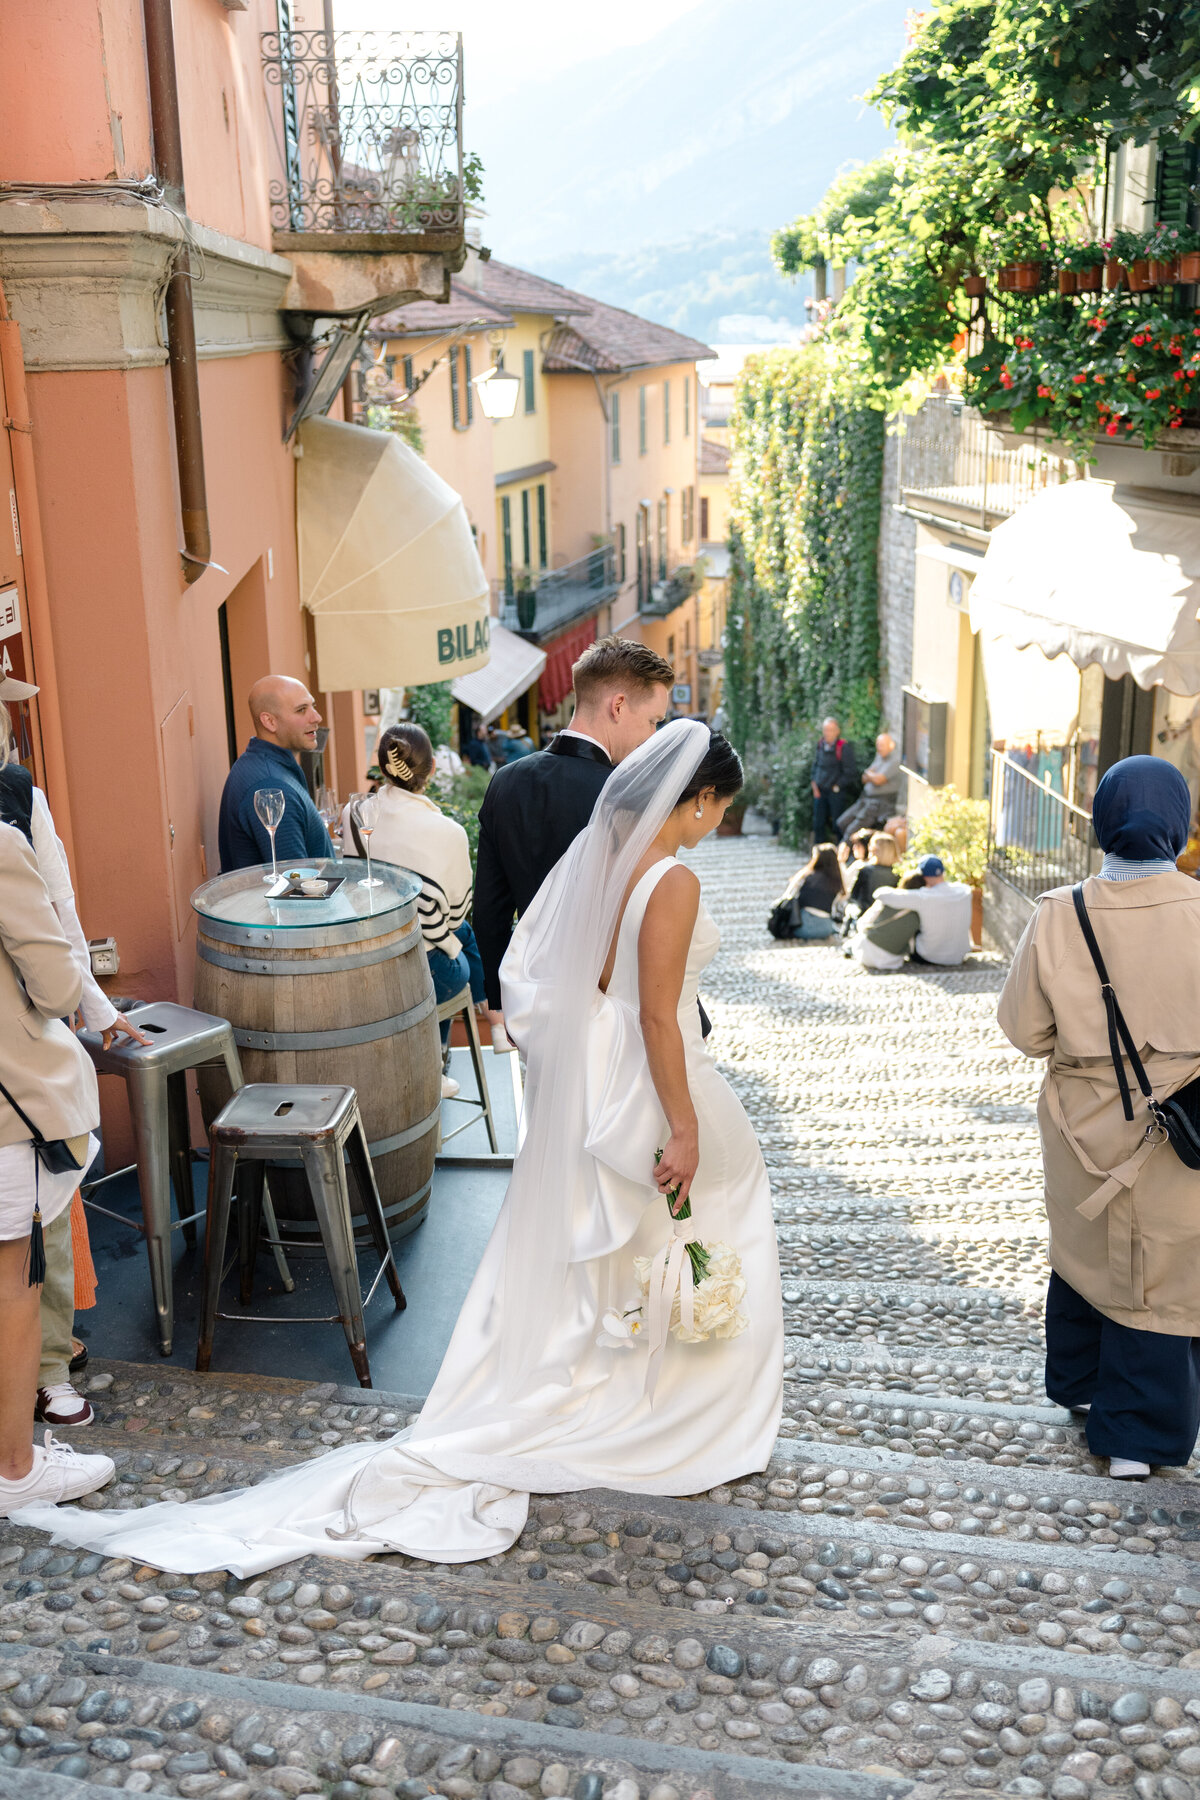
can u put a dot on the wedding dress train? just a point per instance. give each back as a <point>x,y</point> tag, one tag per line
<point>455,1485</point>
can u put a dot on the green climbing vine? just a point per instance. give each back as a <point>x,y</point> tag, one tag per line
<point>803,634</point>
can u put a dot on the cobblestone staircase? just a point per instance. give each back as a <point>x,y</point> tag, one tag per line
<point>933,1591</point>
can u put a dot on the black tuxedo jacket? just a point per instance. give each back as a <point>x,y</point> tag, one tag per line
<point>532,811</point>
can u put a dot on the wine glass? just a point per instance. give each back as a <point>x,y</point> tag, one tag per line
<point>366,813</point>
<point>268,804</point>
<point>330,812</point>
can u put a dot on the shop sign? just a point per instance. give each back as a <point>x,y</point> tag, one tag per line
<point>681,693</point>
<point>12,644</point>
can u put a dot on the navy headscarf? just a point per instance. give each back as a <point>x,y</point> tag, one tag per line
<point>1143,810</point>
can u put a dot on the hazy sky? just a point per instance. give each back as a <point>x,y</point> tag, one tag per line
<point>504,44</point>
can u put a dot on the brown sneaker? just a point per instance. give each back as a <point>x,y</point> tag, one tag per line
<point>60,1405</point>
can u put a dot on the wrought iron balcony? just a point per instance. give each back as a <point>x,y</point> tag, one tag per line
<point>370,138</point>
<point>950,462</point>
<point>561,595</point>
<point>663,596</point>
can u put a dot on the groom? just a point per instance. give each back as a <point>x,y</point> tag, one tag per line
<point>534,808</point>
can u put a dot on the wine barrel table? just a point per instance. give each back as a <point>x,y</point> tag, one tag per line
<point>335,989</point>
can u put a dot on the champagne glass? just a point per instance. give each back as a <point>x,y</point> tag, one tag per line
<point>268,804</point>
<point>366,813</point>
<point>329,810</point>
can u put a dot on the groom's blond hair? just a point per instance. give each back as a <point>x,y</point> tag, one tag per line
<point>613,663</point>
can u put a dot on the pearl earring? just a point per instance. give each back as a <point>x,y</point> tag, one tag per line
<point>700,811</point>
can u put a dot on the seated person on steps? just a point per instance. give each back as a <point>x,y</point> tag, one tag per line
<point>928,924</point>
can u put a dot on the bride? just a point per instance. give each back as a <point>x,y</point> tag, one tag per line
<point>548,1385</point>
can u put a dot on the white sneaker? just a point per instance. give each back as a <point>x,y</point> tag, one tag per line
<point>449,1087</point>
<point>1121,1469</point>
<point>58,1473</point>
<point>502,1045</point>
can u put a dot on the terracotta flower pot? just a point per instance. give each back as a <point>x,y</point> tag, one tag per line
<point>974,286</point>
<point>1139,275</point>
<point>1189,266</point>
<point>1089,281</point>
<point>1162,271</point>
<point>1029,276</point>
<point>977,918</point>
<point>731,824</point>
<point>1068,281</point>
<point>1006,281</point>
<point>1114,274</point>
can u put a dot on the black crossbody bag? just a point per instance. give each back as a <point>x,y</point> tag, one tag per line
<point>1179,1117</point>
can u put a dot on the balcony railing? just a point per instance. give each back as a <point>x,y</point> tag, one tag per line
<point>949,460</point>
<point>370,132</point>
<point>561,595</point>
<point>1036,838</point>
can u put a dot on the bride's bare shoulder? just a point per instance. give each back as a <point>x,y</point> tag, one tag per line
<point>678,891</point>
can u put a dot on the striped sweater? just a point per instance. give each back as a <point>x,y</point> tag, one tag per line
<point>417,835</point>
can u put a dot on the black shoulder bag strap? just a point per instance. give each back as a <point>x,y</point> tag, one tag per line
<point>1118,1031</point>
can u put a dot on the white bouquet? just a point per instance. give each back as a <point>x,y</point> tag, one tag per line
<point>691,1289</point>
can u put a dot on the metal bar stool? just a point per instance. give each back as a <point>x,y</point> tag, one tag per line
<point>450,1009</point>
<point>155,1081</point>
<point>322,1125</point>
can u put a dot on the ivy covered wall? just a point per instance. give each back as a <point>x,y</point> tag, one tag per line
<point>803,630</point>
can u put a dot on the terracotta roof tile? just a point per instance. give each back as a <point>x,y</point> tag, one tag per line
<point>425,318</point>
<point>714,457</point>
<point>591,336</point>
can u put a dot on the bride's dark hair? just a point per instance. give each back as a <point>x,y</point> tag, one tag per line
<point>720,769</point>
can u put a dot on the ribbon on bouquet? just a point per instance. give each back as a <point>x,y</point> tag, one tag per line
<point>670,1274</point>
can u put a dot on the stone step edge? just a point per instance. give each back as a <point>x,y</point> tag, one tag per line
<point>788,1452</point>
<point>1044,1412</point>
<point>158,1373</point>
<point>724,1773</point>
<point>812,1636</point>
<point>933,1233</point>
<point>889,1293</point>
<point>971,1472</point>
<point>841,1348</point>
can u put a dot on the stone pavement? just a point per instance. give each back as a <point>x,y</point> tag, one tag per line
<point>933,1591</point>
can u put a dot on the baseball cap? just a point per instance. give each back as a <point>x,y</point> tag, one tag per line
<point>12,689</point>
<point>931,865</point>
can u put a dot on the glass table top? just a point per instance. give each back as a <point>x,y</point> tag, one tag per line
<point>242,897</point>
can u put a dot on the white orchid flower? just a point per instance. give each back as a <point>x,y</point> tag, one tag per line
<point>620,1330</point>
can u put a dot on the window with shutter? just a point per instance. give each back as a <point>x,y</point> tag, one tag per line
<point>506,534</point>
<point>455,397</point>
<point>1174,178</point>
<point>641,421</point>
<point>530,393</point>
<point>704,518</point>
<point>526,540</point>
<point>614,427</point>
<point>620,557</point>
<point>543,548</point>
<point>408,374</point>
<point>468,390</point>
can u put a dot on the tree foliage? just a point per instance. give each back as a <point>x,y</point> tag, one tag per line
<point>803,633</point>
<point>1005,109</point>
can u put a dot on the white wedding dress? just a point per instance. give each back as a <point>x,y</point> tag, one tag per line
<point>455,1486</point>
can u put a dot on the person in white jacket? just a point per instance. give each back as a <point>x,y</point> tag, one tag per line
<point>412,831</point>
<point>25,806</point>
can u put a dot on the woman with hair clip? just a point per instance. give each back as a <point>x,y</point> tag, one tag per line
<point>415,833</point>
<point>583,1356</point>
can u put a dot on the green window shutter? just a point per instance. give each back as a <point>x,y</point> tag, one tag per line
<point>408,374</point>
<point>525,526</point>
<point>530,393</point>
<point>455,397</point>
<point>543,547</point>
<point>506,532</point>
<point>1174,176</point>
<point>666,412</point>
<point>467,388</point>
<point>614,419</point>
<point>641,421</point>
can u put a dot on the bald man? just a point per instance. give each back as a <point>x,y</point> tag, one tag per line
<point>285,720</point>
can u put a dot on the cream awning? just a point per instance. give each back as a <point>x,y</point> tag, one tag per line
<point>1102,574</point>
<point>388,566</point>
<point>513,666</point>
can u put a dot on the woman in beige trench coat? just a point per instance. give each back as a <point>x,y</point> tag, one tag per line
<point>1123,1305</point>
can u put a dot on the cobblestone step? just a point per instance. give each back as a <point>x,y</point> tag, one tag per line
<point>117,1721</point>
<point>934,1255</point>
<point>928,1315</point>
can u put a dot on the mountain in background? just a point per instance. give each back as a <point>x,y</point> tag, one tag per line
<point>652,177</point>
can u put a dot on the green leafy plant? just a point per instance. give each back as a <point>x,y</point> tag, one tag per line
<point>460,797</point>
<point>802,638</point>
<point>954,829</point>
<point>432,707</point>
<point>1089,255</point>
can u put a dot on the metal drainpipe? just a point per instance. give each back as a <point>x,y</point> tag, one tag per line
<point>181,321</point>
<point>33,558</point>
